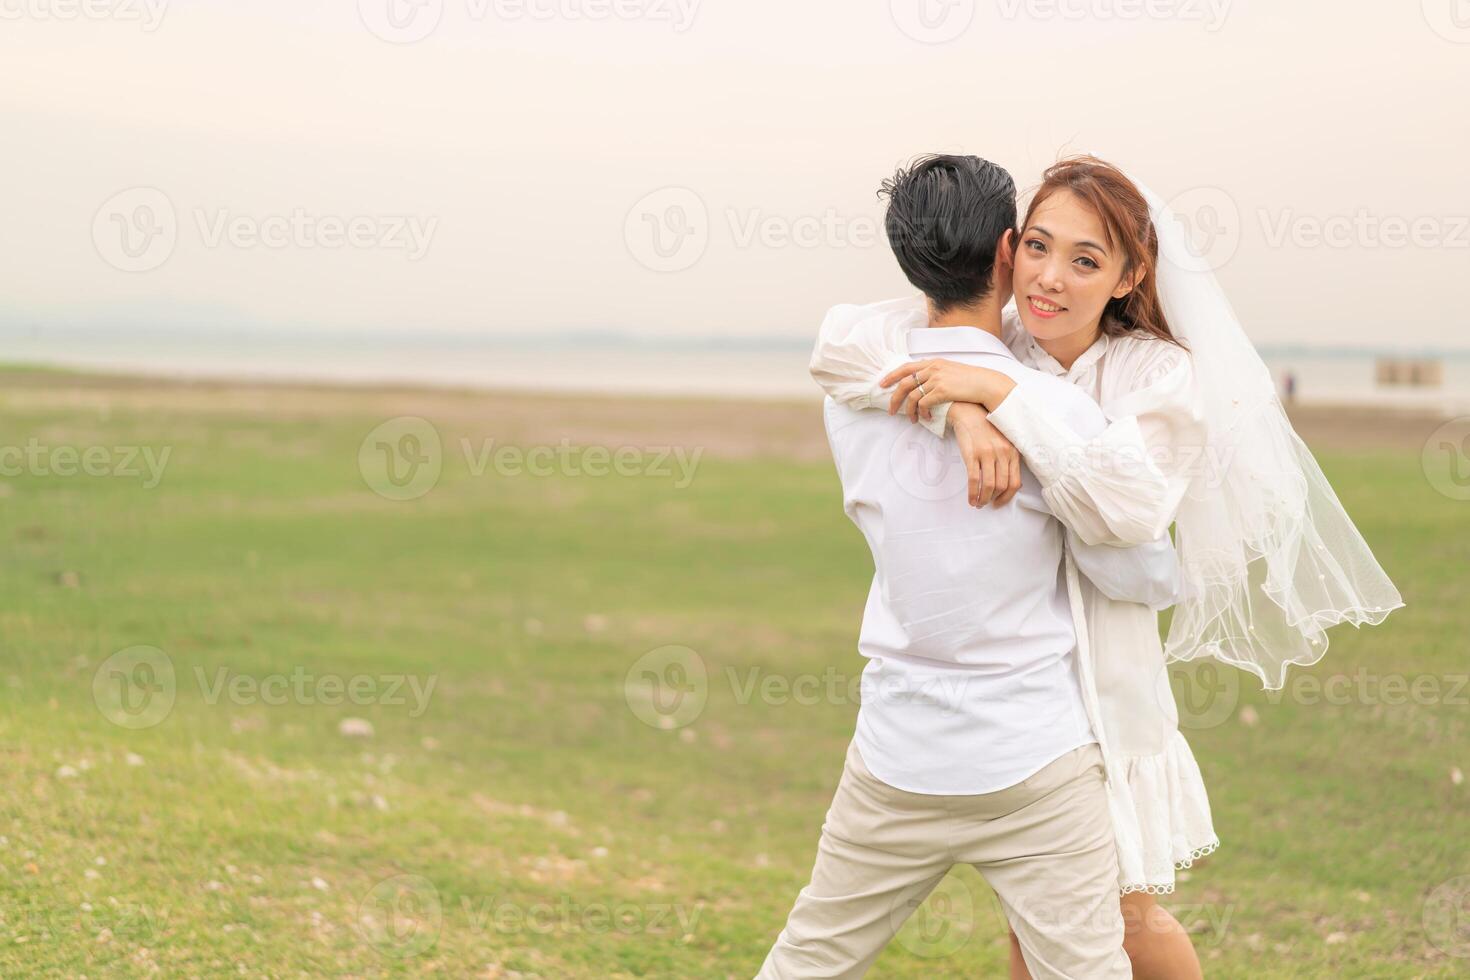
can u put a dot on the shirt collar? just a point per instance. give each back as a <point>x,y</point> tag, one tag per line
<point>1045,362</point>
<point>955,340</point>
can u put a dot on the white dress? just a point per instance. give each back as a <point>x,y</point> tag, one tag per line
<point>1146,388</point>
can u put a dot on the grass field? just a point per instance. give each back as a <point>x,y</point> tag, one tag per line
<point>399,738</point>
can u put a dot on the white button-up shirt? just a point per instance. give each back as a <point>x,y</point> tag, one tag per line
<point>972,682</point>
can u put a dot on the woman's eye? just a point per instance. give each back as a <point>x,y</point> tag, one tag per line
<point>1035,245</point>
<point>1088,262</point>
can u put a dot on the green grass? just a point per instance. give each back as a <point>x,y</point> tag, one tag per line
<point>558,834</point>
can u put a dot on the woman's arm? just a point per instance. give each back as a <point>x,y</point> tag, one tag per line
<point>858,345</point>
<point>1119,487</point>
<point>991,461</point>
<point>1124,485</point>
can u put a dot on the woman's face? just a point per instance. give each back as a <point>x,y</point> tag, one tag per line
<point>1065,272</point>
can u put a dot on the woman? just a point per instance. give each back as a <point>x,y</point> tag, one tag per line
<point>1111,298</point>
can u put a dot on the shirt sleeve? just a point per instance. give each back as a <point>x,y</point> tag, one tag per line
<point>856,348</point>
<point>1147,574</point>
<point>1123,485</point>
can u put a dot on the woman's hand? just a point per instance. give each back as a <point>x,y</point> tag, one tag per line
<point>943,381</point>
<point>992,462</point>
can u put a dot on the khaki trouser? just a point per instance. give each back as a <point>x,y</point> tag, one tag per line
<point>1044,845</point>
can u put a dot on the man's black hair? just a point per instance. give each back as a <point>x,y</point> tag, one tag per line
<point>946,215</point>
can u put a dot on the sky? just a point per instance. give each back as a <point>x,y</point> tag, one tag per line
<point>701,167</point>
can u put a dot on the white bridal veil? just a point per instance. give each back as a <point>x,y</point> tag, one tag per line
<point>1270,559</point>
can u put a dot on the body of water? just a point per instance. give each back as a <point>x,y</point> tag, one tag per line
<point>759,369</point>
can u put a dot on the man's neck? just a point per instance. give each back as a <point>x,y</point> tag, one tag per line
<point>984,315</point>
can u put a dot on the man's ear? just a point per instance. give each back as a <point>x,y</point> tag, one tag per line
<point>1129,282</point>
<point>1005,252</point>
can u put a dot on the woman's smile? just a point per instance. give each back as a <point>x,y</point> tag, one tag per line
<point>1044,308</point>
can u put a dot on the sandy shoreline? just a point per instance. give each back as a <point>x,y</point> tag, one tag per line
<point>724,427</point>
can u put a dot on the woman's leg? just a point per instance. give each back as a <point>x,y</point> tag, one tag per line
<point>1156,943</point>
<point>1018,962</point>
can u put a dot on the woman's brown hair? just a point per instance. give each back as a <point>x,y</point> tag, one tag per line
<point>1124,213</point>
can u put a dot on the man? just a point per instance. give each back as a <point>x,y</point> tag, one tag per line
<point>975,739</point>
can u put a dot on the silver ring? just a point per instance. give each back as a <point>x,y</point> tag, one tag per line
<point>922,392</point>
